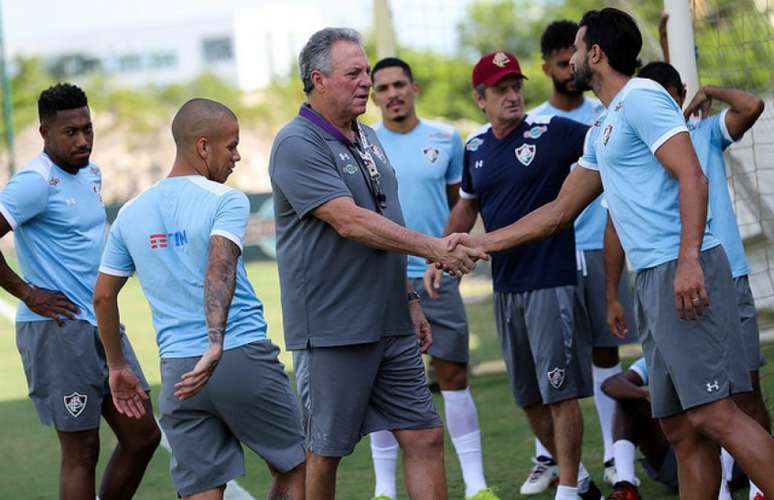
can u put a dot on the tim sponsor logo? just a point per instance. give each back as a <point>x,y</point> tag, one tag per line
<point>166,240</point>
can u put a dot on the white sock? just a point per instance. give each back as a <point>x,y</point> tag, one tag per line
<point>384,452</point>
<point>542,451</point>
<point>754,490</point>
<point>724,493</point>
<point>566,493</point>
<point>624,460</point>
<point>584,478</point>
<point>605,406</point>
<point>727,464</point>
<point>462,423</point>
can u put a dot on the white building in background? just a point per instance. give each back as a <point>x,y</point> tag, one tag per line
<point>246,47</point>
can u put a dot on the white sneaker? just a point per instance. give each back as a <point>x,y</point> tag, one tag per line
<point>544,474</point>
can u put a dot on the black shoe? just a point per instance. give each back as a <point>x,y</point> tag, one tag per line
<point>592,493</point>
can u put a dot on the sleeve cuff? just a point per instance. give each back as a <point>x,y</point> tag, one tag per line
<point>666,136</point>
<point>724,128</point>
<point>115,272</point>
<point>639,373</point>
<point>587,164</point>
<point>456,180</point>
<point>467,196</point>
<point>229,236</point>
<point>8,217</point>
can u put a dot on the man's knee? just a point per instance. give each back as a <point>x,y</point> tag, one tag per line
<point>714,419</point>
<point>80,448</point>
<point>423,442</point>
<point>605,357</point>
<point>451,376</point>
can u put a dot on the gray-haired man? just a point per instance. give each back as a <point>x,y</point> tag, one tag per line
<point>340,246</point>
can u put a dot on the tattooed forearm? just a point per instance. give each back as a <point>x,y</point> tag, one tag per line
<point>219,284</point>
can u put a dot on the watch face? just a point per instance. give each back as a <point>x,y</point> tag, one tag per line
<point>412,296</point>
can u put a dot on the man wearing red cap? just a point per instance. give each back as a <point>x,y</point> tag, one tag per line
<point>510,169</point>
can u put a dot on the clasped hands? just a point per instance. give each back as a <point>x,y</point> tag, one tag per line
<point>456,254</point>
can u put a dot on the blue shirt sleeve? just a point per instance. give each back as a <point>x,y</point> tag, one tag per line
<point>306,176</point>
<point>640,368</point>
<point>653,115</point>
<point>589,157</point>
<point>720,135</point>
<point>231,217</point>
<point>24,197</point>
<point>116,259</point>
<point>454,172</point>
<point>467,191</point>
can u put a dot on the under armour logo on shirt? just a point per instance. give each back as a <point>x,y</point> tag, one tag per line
<point>478,164</point>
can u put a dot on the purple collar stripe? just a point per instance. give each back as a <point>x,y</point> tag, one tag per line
<point>307,112</point>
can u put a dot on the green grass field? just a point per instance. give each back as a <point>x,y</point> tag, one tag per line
<point>30,455</point>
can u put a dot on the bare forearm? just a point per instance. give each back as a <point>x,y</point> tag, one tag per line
<point>745,108</point>
<point>619,388</point>
<point>462,217</point>
<point>614,260</point>
<point>12,282</point>
<point>219,285</point>
<point>108,322</point>
<point>693,213</point>
<point>538,224</point>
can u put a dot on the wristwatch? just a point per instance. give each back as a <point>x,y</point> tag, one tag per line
<point>413,296</point>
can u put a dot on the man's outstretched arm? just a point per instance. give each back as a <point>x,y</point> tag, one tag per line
<point>219,285</point>
<point>579,189</point>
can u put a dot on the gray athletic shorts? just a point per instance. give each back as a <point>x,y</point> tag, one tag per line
<point>547,360</point>
<point>750,333</point>
<point>358,389</point>
<point>691,362</point>
<point>67,372</point>
<point>247,400</point>
<point>447,318</point>
<point>592,301</point>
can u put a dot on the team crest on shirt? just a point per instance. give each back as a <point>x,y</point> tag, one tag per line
<point>500,60</point>
<point>525,153</point>
<point>431,154</point>
<point>606,134</point>
<point>535,132</point>
<point>474,144</point>
<point>378,152</point>
<point>75,403</point>
<point>349,169</point>
<point>556,378</point>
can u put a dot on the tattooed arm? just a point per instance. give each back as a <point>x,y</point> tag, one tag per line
<point>219,283</point>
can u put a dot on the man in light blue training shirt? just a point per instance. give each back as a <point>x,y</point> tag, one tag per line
<point>183,237</point>
<point>54,207</point>
<point>711,135</point>
<point>427,158</point>
<point>556,46</point>
<point>657,196</point>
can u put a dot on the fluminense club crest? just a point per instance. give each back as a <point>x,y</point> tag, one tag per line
<point>556,378</point>
<point>525,153</point>
<point>75,403</point>
<point>500,60</point>
<point>431,154</point>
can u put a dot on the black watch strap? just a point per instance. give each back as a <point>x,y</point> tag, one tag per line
<point>413,295</point>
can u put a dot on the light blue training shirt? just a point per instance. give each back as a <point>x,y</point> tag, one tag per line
<point>643,198</point>
<point>710,139</point>
<point>426,160</point>
<point>590,224</point>
<point>163,235</point>
<point>58,221</point>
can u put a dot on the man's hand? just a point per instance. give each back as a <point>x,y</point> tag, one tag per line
<point>421,326</point>
<point>193,381</point>
<point>616,320</point>
<point>127,392</point>
<point>51,304</point>
<point>456,259</point>
<point>432,280</point>
<point>701,103</point>
<point>690,295</point>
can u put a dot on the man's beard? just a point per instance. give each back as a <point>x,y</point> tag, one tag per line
<point>564,88</point>
<point>583,76</point>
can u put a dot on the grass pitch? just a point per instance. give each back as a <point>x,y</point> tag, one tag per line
<point>30,459</point>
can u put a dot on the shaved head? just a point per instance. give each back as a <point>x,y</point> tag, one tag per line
<point>198,118</point>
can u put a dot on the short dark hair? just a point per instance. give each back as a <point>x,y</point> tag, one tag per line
<point>663,73</point>
<point>618,36</point>
<point>392,62</point>
<point>557,36</point>
<point>60,97</point>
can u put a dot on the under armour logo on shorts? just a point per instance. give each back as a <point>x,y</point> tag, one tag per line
<point>75,403</point>
<point>713,386</point>
<point>556,377</point>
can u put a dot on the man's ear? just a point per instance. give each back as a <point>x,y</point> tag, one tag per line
<point>202,147</point>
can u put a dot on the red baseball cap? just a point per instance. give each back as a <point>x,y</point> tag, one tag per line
<point>495,66</point>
